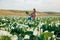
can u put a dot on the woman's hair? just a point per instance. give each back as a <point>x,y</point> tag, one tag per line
<point>34,10</point>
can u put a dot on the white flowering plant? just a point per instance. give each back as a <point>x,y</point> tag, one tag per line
<point>23,26</point>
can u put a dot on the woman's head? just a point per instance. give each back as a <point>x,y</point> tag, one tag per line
<point>34,9</point>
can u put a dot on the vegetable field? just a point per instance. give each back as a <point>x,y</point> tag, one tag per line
<point>20,28</point>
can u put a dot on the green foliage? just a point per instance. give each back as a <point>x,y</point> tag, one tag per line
<point>4,38</point>
<point>27,12</point>
<point>47,34</point>
<point>20,24</point>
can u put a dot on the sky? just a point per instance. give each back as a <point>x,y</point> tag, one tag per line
<point>40,5</point>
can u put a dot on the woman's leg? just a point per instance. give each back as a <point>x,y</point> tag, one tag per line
<point>33,18</point>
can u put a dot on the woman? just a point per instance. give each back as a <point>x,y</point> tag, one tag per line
<point>33,15</point>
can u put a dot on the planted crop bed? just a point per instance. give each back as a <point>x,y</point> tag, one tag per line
<point>43,28</point>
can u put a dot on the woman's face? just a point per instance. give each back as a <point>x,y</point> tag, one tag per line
<point>34,10</point>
